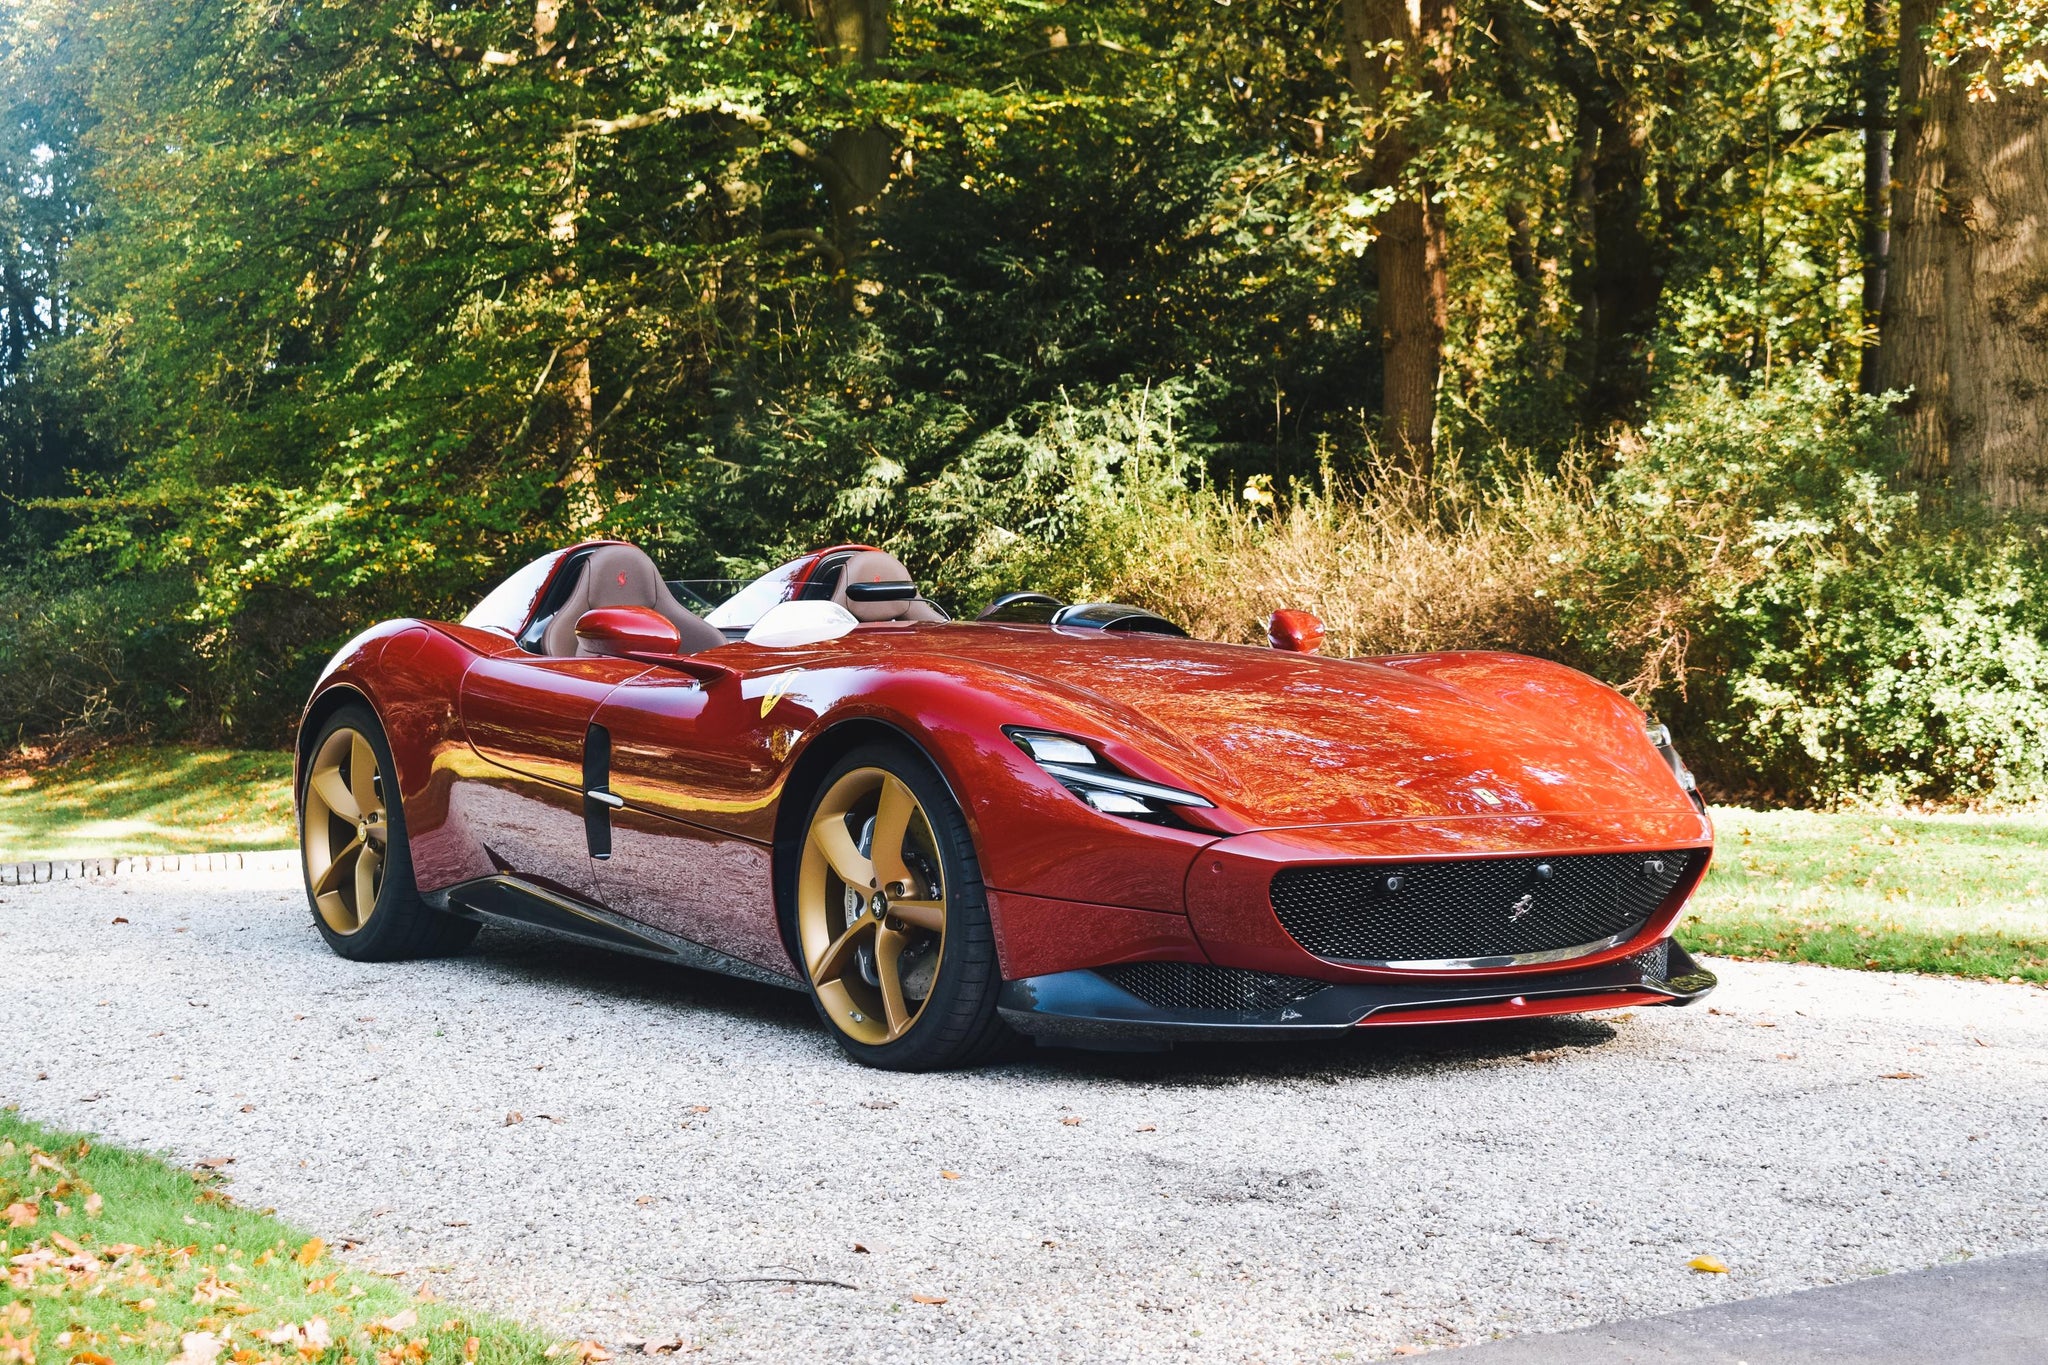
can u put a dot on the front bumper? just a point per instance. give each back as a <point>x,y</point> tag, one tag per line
<point>1085,1006</point>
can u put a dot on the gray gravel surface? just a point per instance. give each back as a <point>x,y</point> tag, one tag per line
<point>697,1161</point>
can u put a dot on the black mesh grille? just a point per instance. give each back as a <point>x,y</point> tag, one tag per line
<point>1655,961</point>
<point>1195,986</point>
<point>1475,907</point>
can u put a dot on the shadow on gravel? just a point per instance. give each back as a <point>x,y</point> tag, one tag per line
<point>1387,1052</point>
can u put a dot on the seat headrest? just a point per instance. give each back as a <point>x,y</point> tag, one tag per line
<point>624,576</point>
<point>877,567</point>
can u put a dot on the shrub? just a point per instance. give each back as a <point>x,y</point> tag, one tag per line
<point>1746,567</point>
<point>80,659</point>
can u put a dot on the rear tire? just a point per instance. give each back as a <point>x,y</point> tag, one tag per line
<point>353,851</point>
<point>872,929</point>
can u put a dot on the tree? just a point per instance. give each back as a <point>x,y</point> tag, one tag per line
<point>1399,55</point>
<point>1965,323</point>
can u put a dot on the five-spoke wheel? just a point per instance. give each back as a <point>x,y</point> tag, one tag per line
<point>352,839</point>
<point>891,921</point>
<point>345,832</point>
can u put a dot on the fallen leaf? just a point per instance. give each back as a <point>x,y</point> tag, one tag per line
<point>514,1117</point>
<point>1708,1265</point>
<point>213,1289</point>
<point>949,1175</point>
<point>644,1200</point>
<point>861,1249</point>
<point>1148,1127</point>
<point>120,919</point>
<point>427,1295</point>
<point>310,1252</point>
<point>1071,1121</point>
<point>248,1108</point>
<point>469,1348</point>
<point>93,1205</point>
<point>20,1215</point>
<point>700,1108</point>
<point>1409,1349</point>
<point>1900,1076</point>
<point>1049,1242</point>
<point>401,1321</point>
<point>928,1298</point>
<point>214,1163</point>
<point>589,1352</point>
<point>198,1348</point>
<point>91,1358</point>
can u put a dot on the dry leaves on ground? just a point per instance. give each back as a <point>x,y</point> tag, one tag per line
<point>1708,1265</point>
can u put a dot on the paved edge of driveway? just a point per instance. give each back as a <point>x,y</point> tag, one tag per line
<point>1992,1311</point>
<point>75,869</point>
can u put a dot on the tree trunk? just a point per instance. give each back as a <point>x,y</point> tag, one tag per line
<point>1398,48</point>
<point>857,162</point>
<point>1879,76</point>
<point>1966,303</point>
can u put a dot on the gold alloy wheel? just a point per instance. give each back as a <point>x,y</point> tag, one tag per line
<point>345,831</point>
<point>871,905</point>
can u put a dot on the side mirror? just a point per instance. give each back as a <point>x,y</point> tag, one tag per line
<point>617,632</point>
<point>1300,632</point>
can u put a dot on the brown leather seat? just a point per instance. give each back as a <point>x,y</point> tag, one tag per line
<point>879,567</point>
<point>624,576</point>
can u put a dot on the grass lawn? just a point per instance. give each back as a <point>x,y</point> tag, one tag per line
<point>113,1258</point>
<point>1964,895</point>
<point>147,799</point>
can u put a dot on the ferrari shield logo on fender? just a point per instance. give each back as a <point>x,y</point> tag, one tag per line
<point>1522,906</point>
<point>778,688</point>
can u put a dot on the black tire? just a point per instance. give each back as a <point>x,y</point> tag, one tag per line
<point>958,1025</point>
<point>401,925</point>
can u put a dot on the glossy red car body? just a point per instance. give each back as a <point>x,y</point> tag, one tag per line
<point>1307,762</point>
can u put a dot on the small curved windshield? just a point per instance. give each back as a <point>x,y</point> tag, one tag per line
<point>505,608</point>
<point>751,603</point>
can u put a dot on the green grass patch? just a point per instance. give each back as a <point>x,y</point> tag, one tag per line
<point>147,799</point>
<point>114,1258</point>
<point>1963,895</point>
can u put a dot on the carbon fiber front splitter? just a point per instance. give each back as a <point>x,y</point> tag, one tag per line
<point>1085,1006</point>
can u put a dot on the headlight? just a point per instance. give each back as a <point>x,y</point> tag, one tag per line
<point>1660,736</point>
<point>1094,780</point>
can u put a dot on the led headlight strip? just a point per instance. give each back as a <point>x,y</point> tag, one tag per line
<point>1085,773</point>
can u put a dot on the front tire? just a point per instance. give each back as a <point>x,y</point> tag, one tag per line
<point>891,919</point>
<point>354,854</point>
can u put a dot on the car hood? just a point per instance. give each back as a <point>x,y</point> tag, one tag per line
<point>1286,739</point>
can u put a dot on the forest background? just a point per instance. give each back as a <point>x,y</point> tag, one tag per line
<point>1702,344</point>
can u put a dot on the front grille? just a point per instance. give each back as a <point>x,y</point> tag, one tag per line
<point>1456,910</point>
<point>1196,986</point>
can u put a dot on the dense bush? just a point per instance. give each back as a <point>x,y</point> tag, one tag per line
<point>80,659</point>
<point>1745,567</point>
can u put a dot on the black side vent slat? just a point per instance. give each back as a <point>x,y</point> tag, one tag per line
<point>1197,986</point>
<point>1471,908</point>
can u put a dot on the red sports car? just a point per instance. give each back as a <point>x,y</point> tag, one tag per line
<point>1072,822</point>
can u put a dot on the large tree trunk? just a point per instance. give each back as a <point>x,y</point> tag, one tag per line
<point>1966,304</point>
<point>1878,77</point>
<point>1396,47</point>
<point>856,163</point>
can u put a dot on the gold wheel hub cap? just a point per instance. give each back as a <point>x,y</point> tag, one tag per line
<point>345,836</point>
<point>871,906</point>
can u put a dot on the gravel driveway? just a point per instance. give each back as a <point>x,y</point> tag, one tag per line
<point>696,1160</point>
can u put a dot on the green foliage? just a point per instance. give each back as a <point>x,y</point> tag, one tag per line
<point>81,659</point>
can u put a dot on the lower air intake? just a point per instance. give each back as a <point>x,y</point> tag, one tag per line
<point>1197,986</point>
<point>1469,910</point>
